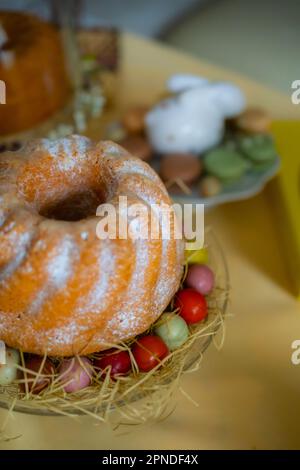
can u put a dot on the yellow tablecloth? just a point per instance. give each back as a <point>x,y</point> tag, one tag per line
<point>248,393</point>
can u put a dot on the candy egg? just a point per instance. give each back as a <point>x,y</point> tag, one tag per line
<point>116,362</point>
<point>148,351</point>
<point>138,146</point>
<point>9,371</point>
<point>185,166</point>
<point>75,374</point>
<point>40,378</point>
<point>115,132</point>
<point>254,120</point>
<point>196,256</point>
<point>192,305</point>
<point>201,278</point>
<point>173,330</point>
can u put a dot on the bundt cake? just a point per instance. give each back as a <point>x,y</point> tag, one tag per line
<point>63,290</point>
<point>32,65</point>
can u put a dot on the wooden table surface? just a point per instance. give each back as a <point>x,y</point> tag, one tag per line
<point>247,393</point>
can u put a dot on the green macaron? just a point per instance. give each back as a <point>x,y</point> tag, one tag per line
<point>259,149</point>
<point>225,163</point>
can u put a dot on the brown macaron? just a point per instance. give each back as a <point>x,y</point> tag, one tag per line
<point>253,121</point>
<point>184,166</point>
<point>138,146</point>
<point>134,119</point>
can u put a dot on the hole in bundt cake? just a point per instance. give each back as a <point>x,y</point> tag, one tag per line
<point>74,207</point>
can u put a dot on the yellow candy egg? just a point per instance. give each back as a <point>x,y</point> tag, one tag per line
<point>197,256</point>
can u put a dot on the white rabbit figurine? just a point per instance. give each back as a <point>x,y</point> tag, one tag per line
<point>192,121</point>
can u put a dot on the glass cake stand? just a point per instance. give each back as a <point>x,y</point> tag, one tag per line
<point>9,395</point>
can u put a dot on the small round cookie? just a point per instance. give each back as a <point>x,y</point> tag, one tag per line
<point>184,166</point>
<point>137,146</point>
<point>134,119</point>
<point>253,121</point>
<point>50,197</point>
<point>226,164</point>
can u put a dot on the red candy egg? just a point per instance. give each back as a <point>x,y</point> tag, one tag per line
<point>148,351</point>
<point>192,305</point>
<point>40,378</point>
<point>115,362</point>
<point>201,278</point>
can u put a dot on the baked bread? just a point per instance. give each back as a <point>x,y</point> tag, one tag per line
<point>32,65</point>
<point>64,291</point>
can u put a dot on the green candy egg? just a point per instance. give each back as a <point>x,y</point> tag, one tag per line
<point>173,330</point>
<point>9,371</point>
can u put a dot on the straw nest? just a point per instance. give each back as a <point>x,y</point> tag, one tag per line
<point>132,399</point>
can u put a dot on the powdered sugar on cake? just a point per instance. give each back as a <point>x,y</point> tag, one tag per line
<point>81,292</point>
<point>67,151</point>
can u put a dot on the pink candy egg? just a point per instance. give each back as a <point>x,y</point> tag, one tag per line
<point>75,374</point>
<point>201,278</point>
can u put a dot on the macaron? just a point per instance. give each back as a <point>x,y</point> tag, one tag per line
<point>225,164</point>
<point>9,371</point>
<point>253,121</point>
<point>184,166</point>
<point>138,146</point>
<point>260,149</point>
<point>177,188</point>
